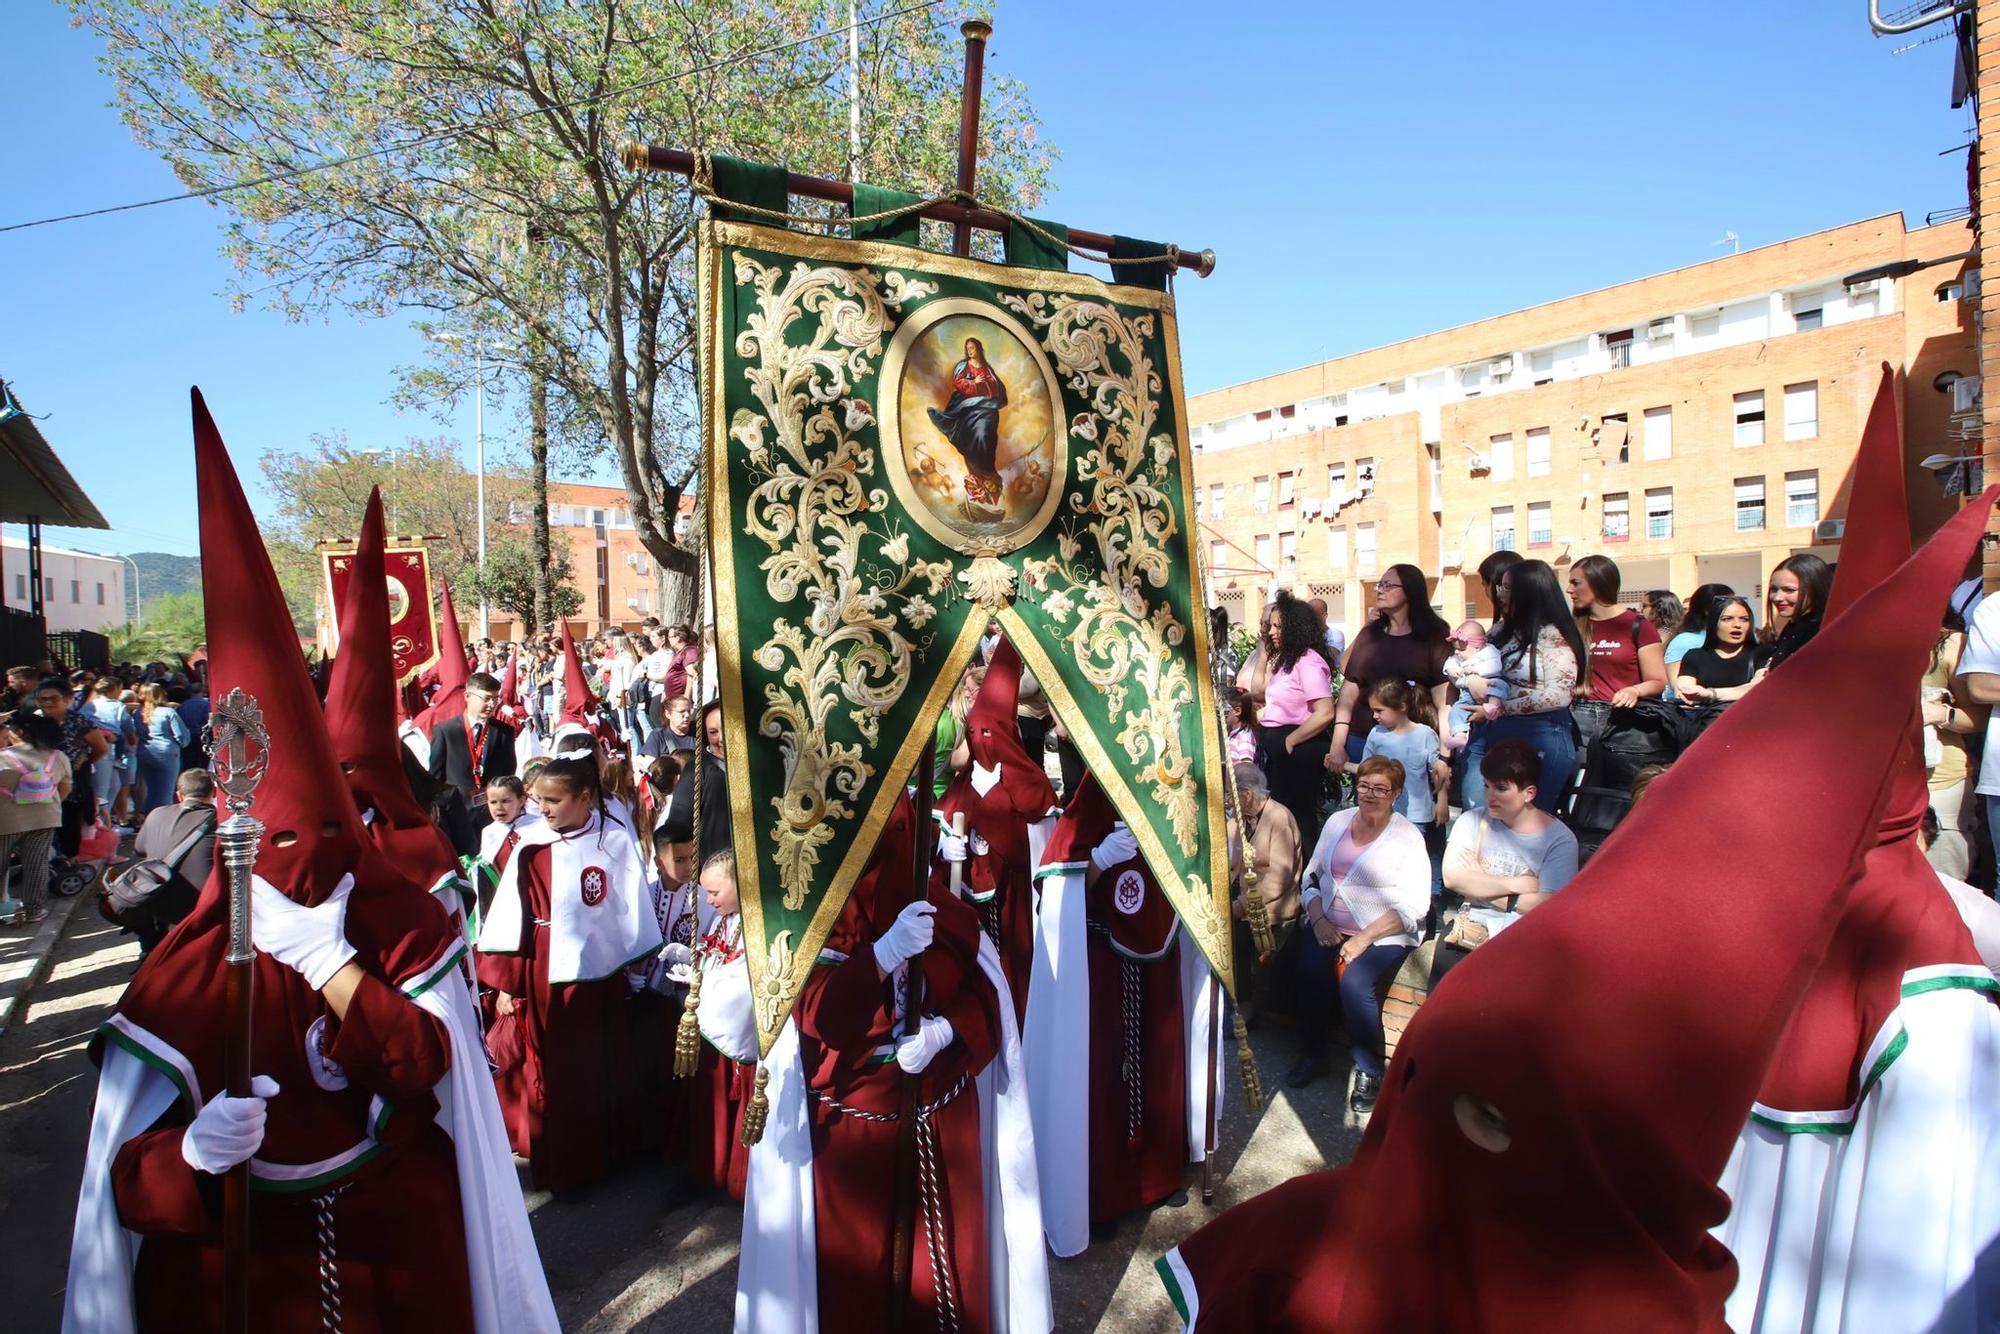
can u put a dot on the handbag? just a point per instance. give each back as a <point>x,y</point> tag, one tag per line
<point>1464,933</point>
<point>136,895</point>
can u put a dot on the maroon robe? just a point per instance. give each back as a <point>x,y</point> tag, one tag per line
<point>713,1108</point>
<point>846,1020</point>
<point>564,1101</point>
<point>1138,1047</point>
<point>399,1231</point>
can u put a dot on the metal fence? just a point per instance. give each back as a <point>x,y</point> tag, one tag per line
<point>80,648</point>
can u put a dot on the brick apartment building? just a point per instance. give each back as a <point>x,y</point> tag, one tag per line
<point>1699,425</point>
<point>618,578</point>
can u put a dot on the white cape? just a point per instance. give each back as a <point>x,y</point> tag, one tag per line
<point>777,1284</point>
<point>509,1293</point>
<point>1883,1216</point>
<point>1057,1042</point>
<point>588,939</point>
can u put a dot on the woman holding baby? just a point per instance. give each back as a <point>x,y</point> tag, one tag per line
<point>1540,650</point>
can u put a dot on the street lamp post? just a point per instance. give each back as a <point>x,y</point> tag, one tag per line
<point>479,459</point>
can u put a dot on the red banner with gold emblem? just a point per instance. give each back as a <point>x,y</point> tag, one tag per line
<point>413,639</point>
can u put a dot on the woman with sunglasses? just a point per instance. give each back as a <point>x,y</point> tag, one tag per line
<point>1366,891</point>
<point>1406,641</point>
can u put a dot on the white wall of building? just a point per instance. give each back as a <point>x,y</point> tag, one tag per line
<point>80,591</point>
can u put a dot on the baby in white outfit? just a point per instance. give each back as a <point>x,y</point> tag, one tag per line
<point>1475,658</point>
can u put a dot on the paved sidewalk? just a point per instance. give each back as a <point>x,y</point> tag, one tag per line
<point>25,952</point>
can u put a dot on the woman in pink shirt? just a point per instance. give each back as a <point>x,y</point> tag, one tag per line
<point>1298,710</point>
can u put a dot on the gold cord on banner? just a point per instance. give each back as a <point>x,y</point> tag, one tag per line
<point>687,1037</point>
<point>703,180</point>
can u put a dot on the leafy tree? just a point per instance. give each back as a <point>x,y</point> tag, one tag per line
<point>475,179</point>
<point>174,624</point>
<point>426,492</point>
<point>509,582</point>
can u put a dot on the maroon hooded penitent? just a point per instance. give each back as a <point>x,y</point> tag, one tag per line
<point>360,710</point>
<point>1550,1133</point>
<point>355,1104</point>
<point>997,820</point>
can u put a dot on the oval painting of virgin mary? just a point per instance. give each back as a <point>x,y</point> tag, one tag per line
<point>970,434</point>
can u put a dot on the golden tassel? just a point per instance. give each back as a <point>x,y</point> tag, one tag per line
<point>759,1109</point>
<point>687,1038</point>
<point>1246,1066</point>
<point>1255,911</point>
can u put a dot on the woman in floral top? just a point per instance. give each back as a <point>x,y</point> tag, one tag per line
<point>1540,648</point>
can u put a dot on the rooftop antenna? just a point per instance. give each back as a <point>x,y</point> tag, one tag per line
<point>1732,240</point>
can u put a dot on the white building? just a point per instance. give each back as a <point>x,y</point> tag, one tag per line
<point>80,589</point>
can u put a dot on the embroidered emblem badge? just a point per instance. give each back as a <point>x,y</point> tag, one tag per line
<point>1129,892</point>
<point>595,883</point>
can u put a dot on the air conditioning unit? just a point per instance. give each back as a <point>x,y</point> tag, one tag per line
<point>1829,530</point>
<point>1660,329</point>
<point>632,559</point>
<point>632,600</point>
<point>1480,463</point>
<point>1500,366</point>
<point>1453,559</point>
<point>1965,394</point>
<point>1864,287</point>
<point>1310,508</point>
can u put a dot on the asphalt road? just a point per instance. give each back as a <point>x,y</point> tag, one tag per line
<point>617,1258</point>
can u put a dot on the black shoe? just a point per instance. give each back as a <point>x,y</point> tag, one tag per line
<point>1367,1088</point>
<point>1305,1070</point>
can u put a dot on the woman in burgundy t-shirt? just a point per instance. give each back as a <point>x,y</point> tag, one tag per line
<point>1628,662</point>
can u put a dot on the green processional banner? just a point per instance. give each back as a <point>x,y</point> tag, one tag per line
<point>901,445</point>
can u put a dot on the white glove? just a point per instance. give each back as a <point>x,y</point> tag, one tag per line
<point>676,955</point>
<point>1118,846</point>
<point>908,936</point>
<point>310,941</point>
<point>918,1050</point>
<point>951,846</point>
<point>980,847</point>
<point>228,1130</point>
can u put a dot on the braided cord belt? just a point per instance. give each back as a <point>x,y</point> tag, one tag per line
<point>329,1257</point>
<point>937,1228</point>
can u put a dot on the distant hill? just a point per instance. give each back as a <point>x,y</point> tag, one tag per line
<point>161,573</point>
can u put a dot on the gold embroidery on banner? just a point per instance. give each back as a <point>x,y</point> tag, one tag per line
<point>817,505</point>
<point>1124,643</point>
<point>774,989</point>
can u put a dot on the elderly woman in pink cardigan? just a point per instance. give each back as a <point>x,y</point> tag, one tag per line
<point>1365,894</point>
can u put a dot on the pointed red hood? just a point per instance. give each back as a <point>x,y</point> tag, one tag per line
<point>1875,543</point>
<point>360,715</point>
<point>579,700</point>
<point>1555,1119</point>
<point>1085,821</point>
<point>313,835</point>
<point>994,737</point>
<point>452,668</point>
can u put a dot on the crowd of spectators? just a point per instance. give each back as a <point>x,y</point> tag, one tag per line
<point>1435,783</point>
<point>85,758</point>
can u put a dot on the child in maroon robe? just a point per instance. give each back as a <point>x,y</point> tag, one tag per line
<point>717,1158</point>
<point>569,918</point>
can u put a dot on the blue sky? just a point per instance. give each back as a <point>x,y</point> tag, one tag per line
<point>1364,175</point>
